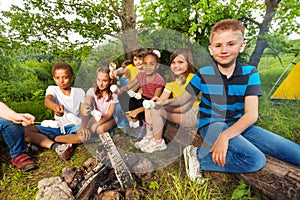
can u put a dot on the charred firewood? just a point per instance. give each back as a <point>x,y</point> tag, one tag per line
<point>88,186</point>
<point>78,178</point>
<point>121,170</point>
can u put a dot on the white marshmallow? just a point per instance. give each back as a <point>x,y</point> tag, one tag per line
<point>112,66</point>
<point>138,96</point>
<point>113,88</point>
<point>96,114</point>
<point>50,123</point>
<point>148,104</point>
<point>131,93</point>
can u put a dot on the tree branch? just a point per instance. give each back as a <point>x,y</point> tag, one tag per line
<point>71,4</point>
<point>251,20</point>
<point>115,9</point>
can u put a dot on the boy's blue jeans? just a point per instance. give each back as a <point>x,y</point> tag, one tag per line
<point>246,151</point>
<point>13,135</point>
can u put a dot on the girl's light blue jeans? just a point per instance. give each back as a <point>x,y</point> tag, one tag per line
<point>13,135</point>
<point>120,117</point>
<point>246,151</point>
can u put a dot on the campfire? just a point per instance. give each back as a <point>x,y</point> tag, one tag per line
<point>110,174</point>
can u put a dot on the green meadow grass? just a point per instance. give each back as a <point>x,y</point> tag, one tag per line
<point>37,108</point>
<point>16,185</point>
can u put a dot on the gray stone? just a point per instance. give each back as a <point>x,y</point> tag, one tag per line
<point>68,174</point>
<point>143,168</point>
<point>54,188</point>
<point>109,195</point>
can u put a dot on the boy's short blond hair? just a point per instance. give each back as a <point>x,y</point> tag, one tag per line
<point>227,24</point>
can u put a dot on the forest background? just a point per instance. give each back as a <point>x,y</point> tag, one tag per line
<point>37,33</point>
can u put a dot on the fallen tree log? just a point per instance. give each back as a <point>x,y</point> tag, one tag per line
<point>277,180</point>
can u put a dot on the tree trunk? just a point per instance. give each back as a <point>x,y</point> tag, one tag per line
<point>129,36</point>
<point>278,180</point>
<point>261,42</point>
<point>129,40</point>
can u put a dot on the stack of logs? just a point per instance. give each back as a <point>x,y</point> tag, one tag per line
<point>111,174</point>
<point>96,179</point>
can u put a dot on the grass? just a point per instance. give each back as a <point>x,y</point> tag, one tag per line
<point>170,182</point>
<point>37,108</point>
<point>284,118</point>
<point>173,186</point>
<point>16,181</point>
<point>23,185</point>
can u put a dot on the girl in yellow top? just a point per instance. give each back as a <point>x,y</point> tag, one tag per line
<point>136,66</point>
<point>181,72</point>
<point>131,71</point>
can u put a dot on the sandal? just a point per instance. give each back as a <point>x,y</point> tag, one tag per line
<point>23,162</point>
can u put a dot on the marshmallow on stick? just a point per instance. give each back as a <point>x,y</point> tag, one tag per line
<point>50,123</point>
<point>138,96</point>
<point>131,93</point>
<point>114,88</point>
<point>148,104</point>
<point>112,67</point>
<point>96,114</point>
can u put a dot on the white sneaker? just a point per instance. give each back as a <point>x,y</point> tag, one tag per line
<point>134,124</point>
<point>64,151</point>
<point>154,146</point>
<point>192,165</point>
<point>143,142</point>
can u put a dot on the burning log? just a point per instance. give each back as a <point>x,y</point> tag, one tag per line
<point>107,154</point>
<point>122,172</point>
<point>91,179</point>
<point>106,174</point>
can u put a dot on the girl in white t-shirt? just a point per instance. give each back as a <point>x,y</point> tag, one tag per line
<point>104,102</point>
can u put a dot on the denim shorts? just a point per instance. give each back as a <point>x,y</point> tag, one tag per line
<point>69,129</point>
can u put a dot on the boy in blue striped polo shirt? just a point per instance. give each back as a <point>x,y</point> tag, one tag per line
<point>228,110</point>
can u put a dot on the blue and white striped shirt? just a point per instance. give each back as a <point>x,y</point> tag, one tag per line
<point>223,99</point>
